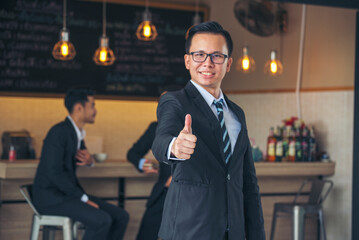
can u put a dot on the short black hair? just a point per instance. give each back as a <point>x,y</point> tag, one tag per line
<point>209,27</point>
<point>77,95</point>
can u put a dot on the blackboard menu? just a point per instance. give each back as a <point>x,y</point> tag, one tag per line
<point>30,28</point>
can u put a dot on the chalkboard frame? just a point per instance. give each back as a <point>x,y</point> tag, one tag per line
<point>203,10</point>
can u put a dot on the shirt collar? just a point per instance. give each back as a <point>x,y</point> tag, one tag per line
<point>80,133</point>
<point>209,97</point>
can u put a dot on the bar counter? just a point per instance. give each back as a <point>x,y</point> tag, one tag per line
<point>25,169</point>
<point>118,181</point>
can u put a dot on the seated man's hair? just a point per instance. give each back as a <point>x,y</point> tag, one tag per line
<point>209,27</point>
<point>77,95</point>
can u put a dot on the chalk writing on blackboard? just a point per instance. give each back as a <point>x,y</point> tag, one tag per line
<point>30,28</point>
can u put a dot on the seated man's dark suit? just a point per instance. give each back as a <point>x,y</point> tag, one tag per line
<point>56,190</point>
<point>152,217</point>
<point>207,197</point>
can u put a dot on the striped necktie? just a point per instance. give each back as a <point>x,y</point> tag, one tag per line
<point>225,137</point>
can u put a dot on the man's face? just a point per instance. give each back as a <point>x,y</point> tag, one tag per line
<point>89,110</point>
<point>207,74</point>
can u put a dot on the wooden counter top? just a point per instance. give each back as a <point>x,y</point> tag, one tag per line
<point>265,169</point>
<point>25,169</point>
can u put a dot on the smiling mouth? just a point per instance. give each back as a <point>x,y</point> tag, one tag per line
<point>207,73</point>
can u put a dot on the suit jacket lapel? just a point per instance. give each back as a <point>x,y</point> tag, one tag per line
<point>74,139</point>
<point>203,107</point>
<point>240,138</point>
<point>73,150</point>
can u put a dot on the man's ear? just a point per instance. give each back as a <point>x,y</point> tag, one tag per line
<point>187,59</point>
<point>78,108</point>
<point>229,63</point>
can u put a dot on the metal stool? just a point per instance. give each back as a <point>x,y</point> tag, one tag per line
<point>39,220</point>
<point>298,211</point>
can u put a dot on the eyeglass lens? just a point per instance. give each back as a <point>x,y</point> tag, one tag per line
<point>215,57</point>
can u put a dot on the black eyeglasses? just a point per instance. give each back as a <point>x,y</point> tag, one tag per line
<point>200,57</point>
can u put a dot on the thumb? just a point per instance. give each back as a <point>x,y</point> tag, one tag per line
<point>188,124</point>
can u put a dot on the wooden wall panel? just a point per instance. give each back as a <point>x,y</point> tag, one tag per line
<point>136,209</point>
<point>139,186</point>
<point>15,221</point>
<point>102,187</point>
<point>10,189</point>
<point>281,184</point>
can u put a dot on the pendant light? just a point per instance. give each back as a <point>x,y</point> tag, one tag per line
<point>64,50</point>
<point>245,64</point>
<point>196,20</point>
<point>146,31</point>
<point>104,55</point>
<point>273,66</point>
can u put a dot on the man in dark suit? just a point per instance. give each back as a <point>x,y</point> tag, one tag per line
<point>56,190</point>
<point>203,135</point>
<point>152,217</point>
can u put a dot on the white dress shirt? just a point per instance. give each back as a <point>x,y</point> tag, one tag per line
<point>80,133</point>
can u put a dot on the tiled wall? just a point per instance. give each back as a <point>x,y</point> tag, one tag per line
<point>120,123</point>
<point>332,114</point>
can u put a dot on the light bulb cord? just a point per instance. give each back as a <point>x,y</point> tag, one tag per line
<point>300,59</point>
<point>104,18</point>
<point>274,24</point>
<point>146,5</point>
<point>246,18</point>
<point>196,7</point>
<point>64,16</point>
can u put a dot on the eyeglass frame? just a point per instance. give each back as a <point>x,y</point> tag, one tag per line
<point>210,56</point>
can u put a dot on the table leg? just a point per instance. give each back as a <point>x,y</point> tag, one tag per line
<point>121,192</point>
<point>0,192</point>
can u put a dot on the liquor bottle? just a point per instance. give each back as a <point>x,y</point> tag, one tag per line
<point>271,142</point>
<point>279,145</point>
<point>12,154</point>
<point>298,145</point>
<point>311,146</point>
<point>305,148</point>
<point>291,144</point>
<point>285,144</point>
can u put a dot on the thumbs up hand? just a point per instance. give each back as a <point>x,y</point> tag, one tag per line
<point>185,143</point>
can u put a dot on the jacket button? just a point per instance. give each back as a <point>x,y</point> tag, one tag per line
<point>229,177</point>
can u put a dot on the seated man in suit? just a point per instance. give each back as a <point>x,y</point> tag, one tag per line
<point>152,217</point>
<point>56,190</point>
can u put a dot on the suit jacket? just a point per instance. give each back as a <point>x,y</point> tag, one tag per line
<point>141,148</point>
<point>207,196</point>
<point>55,180</point>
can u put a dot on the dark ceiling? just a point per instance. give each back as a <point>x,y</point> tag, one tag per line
<point>331,3</point>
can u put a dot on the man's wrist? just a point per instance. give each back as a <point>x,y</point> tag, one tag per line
<point>169,151</point>
<point>84,198</point>
<point>170,155</point>
<point>141,162</point>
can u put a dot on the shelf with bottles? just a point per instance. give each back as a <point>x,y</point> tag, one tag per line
<point>293,141</point>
